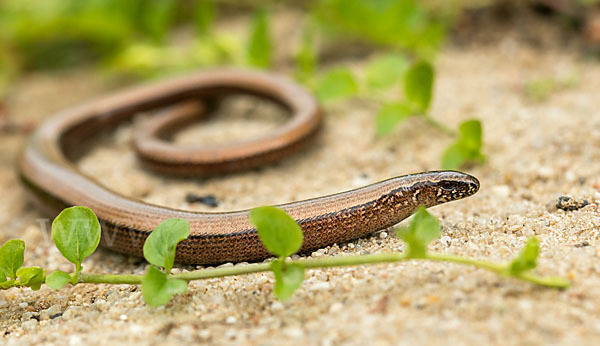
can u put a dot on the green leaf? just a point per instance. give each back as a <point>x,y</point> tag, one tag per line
<point>467,146</point>
<point>12,255</point>
<point>157,17</point>
<point>31,276</point>
<point>279,233</point>
<point>306,57</point>
<point>7,284</point>
<point>336,84</point>
<point>423,228</point>
<point>418,85</point>
<point>158,290</point>
<point>453,157</point>
<point>288,277</point>
<point>76,233</point>
<point>408,24</point>
<point>385,71</point>
<point>56,280</point>
<point>526,260</point>
<point>159,248</point>
<point>205,14</point>
<point>389,116</point>
<point>470,135</point>
<point>259,47</point>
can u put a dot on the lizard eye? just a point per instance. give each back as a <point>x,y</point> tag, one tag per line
<point>447,185</point>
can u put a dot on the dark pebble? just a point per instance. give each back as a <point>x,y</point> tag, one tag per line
<point>56,315</point>
<point>209,200</point>
<point>567,203</point>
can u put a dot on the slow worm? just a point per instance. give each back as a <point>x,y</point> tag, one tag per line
<point>47,168</point>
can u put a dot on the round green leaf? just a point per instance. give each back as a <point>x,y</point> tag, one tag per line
<point>76,233</point>
<point>389,116</point>
<point>385,71</point>
<point>338,83</point>
<point>31,276</point>
<point>418,84</point>
<point>467,146</point>
<point>56,280</point>
<point>279,233</point>
<point>453,157</point>
<point>288,277</point>
<point>423,228</point>
<point>158,290</point>
<point>12,255</point>
<point>159,248</point>
<point>470,135</point>
<point>527,258</point>
<point>4,285</point>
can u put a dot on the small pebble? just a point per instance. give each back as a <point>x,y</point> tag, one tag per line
<point>568,203</point>
<point>75,340</point>
<point>69,313</point>
<point>204,334</point>
<point>231,334</point>
<point>446,240</point>
<point>293,332</point>
<point>335,307</point>
<point>597,197</point>
<point>230,320</point>
<point>277,306</point>
<point>29,325</point>
<point>320,286</point>
<point>545,172</point>
<point>502,191</point>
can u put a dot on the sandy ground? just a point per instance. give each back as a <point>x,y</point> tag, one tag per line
<point>537,152</point>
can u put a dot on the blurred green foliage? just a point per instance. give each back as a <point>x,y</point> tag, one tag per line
<point>259,46</point>
<point>392,23</point>
<point>150,38</point>
<point>541,89</point>
<point>65,33</point>
<point>384,71</point>
<point>466,147</point>
<point>337,83</point>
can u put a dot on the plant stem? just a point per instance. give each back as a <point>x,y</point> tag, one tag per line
<point>549,281</point>
<point>327,262</point>
<point>110,279</point>
<point>445,129</point>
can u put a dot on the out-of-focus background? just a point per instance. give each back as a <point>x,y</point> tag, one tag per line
<point>512,99</point>
<point>141,39</point>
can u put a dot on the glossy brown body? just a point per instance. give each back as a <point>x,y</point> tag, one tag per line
<point>46,168</point>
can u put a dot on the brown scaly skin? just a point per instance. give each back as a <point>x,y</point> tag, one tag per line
<point>46,169</point>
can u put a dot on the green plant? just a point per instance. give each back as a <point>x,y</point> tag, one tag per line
<point>466,147</point>
<point>305,59</point>
<point>280,234</point>
<point>12,274</point>
<point>418,91</point>
<point>402,24</point>
<point>383,72</point>
<point>338,83</point>
<point>418,88</point>
<point>259,44</point>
